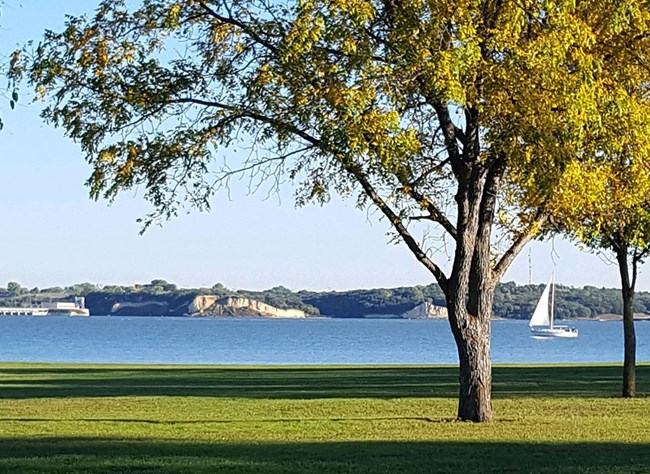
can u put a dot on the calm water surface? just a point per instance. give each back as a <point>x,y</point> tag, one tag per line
<point>314,341</point>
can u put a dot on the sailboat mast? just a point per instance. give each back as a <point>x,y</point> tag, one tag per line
<point>552,298</point>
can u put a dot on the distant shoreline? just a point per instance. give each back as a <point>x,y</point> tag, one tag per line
<point>614,317</point>
<point>161,298</point>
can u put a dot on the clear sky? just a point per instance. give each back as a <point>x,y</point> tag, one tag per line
<point>52,234</point>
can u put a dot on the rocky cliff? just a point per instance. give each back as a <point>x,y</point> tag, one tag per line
<point>420,311</point>
<point>425,311</point>
<point>207,305</point>
<point>140,304</point>
<point>337,305</point>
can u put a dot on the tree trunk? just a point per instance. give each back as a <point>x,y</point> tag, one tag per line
<point>629,360</point>
<point>470,294</point>
<point>469,317</point>
<point>475,393</point>
<point>629,336</point>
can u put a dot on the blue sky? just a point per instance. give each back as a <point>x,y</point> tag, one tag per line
<point>52,234</point>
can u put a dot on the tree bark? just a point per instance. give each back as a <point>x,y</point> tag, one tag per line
<point>629,360</point>
<point>475,369</point>
<point>469,317</point>
<point>629,335</point>
<point>470,291</point>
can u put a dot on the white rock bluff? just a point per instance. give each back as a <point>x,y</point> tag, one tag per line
<point>209,305</point>
<point>426,311</point>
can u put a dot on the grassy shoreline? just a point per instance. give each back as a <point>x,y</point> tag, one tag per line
<point>74,418</point>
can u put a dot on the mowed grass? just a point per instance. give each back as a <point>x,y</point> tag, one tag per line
<point>395,419</point>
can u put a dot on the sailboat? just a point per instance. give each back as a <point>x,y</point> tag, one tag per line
<point>541,324</point>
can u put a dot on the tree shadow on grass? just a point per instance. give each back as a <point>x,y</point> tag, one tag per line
<point>97,455</point>
<point>18,381</point>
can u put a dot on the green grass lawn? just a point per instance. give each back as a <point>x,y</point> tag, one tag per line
<point>396,419</point>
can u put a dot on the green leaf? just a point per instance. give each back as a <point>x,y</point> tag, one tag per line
<point>12,103</point>
<point>14,96</point>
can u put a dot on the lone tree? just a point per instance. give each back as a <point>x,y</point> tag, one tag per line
<point>440,113</point>
<point>603,197</point>
<point>606,206</point>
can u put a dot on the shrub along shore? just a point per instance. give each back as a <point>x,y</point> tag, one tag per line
<point>59,418</point>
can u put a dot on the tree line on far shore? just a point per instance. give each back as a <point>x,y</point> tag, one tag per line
<point>512,301</point>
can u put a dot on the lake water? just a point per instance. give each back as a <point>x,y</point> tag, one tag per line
<point>166,340</point>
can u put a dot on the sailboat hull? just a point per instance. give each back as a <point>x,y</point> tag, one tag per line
<point>556,331</point>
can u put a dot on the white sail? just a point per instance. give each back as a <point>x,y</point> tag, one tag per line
<point>541,316</point>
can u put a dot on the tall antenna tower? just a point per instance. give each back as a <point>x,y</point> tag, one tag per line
<point>530,267</point>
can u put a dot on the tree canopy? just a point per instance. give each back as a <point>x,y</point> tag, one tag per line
<point>460,114</point>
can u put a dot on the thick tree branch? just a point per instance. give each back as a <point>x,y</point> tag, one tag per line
<point>637,258</point>
<point>434,213</point>
<point>448,132</point>
<point>481,274</point>
<point>517,246</point>
<point>398,225</point>
<point>472,144</point>
<point>635,266</point>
